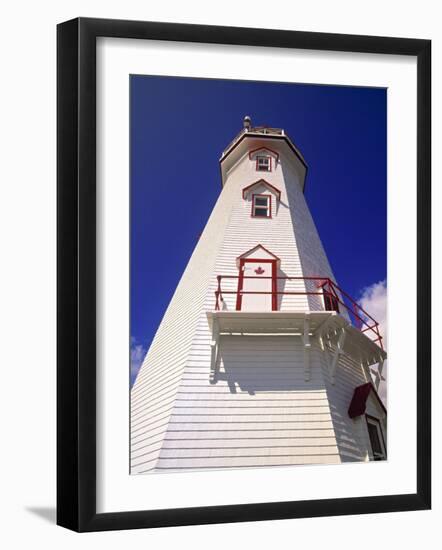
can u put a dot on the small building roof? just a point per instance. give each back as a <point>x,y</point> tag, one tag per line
<point>263,148</point>
<point>266,254</point>
<point>359,400</point>
<point>262,132</point>
<point>252,139</point>
<point>261,182</point>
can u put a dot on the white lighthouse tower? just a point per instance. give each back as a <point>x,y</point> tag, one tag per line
<point>260,359</point>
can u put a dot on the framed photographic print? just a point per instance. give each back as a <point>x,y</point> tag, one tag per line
<point>243,274</point>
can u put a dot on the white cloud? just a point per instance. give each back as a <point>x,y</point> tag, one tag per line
<point>137,354</point>
<point>374,300</point>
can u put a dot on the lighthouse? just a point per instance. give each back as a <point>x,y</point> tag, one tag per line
<point>261,358</point>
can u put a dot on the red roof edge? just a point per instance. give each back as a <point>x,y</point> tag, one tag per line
<point>264,149</point>
<point>261,181</point>
<point>359,400</point>
<point>254,248</point>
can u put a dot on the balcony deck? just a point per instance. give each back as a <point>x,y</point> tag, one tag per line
<point>321,293</point>
<point>331,331</point>
<point>337,323</point>
<point>321,324</point>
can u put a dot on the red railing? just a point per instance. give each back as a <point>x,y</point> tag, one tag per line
<point>330,298</point>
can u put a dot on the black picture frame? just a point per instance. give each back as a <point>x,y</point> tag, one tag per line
<point>76,274</point>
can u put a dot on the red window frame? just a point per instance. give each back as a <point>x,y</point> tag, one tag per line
<point>269,207</point>
<point>331,303</point>
<point>266,157</point>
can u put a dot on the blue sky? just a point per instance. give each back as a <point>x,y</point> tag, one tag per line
<point>179,127</point>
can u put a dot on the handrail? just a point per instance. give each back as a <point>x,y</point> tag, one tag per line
<point>328,289</point>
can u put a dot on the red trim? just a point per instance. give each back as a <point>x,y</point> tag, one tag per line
<point>241,280</point>
<point>259,245</point>
<point>359,400</point>
<point>274,287</point>
<point>255,206</point>
<point>259,260</point>
<point>264,149</point>
<point>261,182</point>
<point>240,283</point>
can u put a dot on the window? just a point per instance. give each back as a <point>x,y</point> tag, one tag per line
<point>263,163</point>
<point>330,300</point>
<point>376,438</point>
<point>262,206</point>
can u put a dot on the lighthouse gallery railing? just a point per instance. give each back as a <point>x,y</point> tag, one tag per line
<point>330,298</point>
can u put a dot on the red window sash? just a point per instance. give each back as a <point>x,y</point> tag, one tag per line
<point>270,165</point>
<point>269,206</point>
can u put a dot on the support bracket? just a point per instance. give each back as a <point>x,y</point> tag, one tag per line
<point>307,348</point>
<point>323,330</point>
<point>338,352</point>
<point>214,344</point>
<point>378,375</point>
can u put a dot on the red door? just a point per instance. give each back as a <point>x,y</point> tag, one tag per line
<point>257,285</point>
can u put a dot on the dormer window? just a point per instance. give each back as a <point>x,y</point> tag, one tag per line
<point>262,206</point>
<point>263,163</point>
<point>263,198</point>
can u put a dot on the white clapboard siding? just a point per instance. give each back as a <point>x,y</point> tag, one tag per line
<point>242,462</point>
<point>249,424</point>
<point>257,408</point>
<point>251,434</point>
<point>349,436</point>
